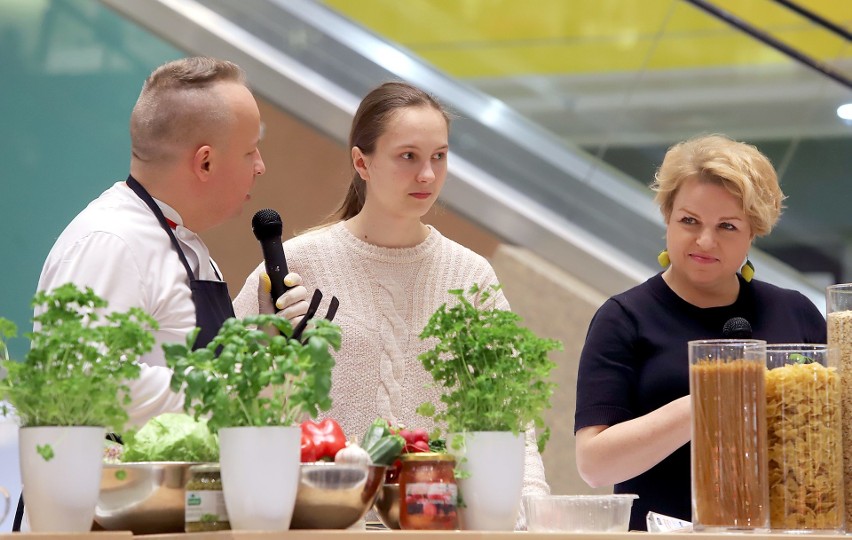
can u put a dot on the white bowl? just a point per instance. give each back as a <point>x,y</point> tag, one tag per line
<point>578,513</point>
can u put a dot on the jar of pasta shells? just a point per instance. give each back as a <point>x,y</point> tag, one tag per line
<point>839,316</point>
<point>804,438</point>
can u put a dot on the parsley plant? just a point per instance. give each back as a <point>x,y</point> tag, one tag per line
<point>494,372</point>
<point>79,362</point>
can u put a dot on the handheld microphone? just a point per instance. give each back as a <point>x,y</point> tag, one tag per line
<point>267,228</point>
<point>736,328</point>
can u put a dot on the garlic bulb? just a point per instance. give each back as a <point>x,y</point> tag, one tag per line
<point>353,454</point>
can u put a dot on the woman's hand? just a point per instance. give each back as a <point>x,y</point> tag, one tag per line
<point>608,455</point>
<point>292,305</point>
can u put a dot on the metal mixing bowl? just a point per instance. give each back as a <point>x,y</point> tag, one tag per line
<point>335,495</point>
<point>387,505</point>
<point>144,498</point>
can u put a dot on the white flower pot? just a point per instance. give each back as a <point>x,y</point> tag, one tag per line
<point>260,475</point>
<point>491,493</point>
<point>61,492</point>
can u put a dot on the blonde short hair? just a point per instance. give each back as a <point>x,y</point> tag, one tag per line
<point>738,167</point>
<point>179,106</point>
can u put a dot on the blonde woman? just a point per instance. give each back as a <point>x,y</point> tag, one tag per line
<point>632,420</point>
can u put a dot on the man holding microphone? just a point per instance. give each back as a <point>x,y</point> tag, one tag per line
<point>194,133</point>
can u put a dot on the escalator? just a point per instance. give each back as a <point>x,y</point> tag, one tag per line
<point>571,201</point>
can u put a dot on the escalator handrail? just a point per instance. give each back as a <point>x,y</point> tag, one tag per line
<point>772,41</point>
<point>816,19</point>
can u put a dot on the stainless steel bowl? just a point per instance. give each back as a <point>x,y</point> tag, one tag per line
<point>335,495</point>
<point>144,498</point>
<point>387,505</point>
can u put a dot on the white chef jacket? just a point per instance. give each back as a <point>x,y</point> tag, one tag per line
<point>117,247</point>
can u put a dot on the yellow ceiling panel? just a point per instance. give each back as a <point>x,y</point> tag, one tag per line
<point>503,61</point>
<point>497,61</point>
<point>478,38</point>
<point>423,22</point>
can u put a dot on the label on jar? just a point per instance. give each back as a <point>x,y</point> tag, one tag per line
<point>431,499</point>
<point>205,507</point>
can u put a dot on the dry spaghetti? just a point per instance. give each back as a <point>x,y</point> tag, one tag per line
<point>729,468</point>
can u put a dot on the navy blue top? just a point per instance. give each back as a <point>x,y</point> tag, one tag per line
<point>635,360</point>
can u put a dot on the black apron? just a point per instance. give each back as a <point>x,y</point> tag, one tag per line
<point>212,301</point>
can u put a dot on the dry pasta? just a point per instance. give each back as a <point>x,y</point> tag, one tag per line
<point>804,447</point>
<point>729,469</point>
<point>840,338</point>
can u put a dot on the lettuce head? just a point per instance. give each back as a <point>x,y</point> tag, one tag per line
<point>172,437</point>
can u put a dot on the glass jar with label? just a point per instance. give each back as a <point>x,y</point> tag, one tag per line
<point>205,504</point>
<point>427,491</point>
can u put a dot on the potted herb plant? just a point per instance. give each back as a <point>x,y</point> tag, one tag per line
<point>71,387</point>
<point>495,376</point>
<point>255,387</point>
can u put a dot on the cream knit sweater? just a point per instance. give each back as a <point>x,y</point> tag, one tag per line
<point>386,298</point>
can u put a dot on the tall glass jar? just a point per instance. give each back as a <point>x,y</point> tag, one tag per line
<point>727,386</point>
<point>804,438</point>
<point>427,491</point>
<point>839,317</point>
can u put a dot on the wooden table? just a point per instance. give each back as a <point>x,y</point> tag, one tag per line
<point>404,535</point>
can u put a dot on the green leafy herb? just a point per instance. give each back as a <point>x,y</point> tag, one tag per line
<point>457,443</point>
<point>76,369</point>
<point>7,330</point>
<point>801,358</point>
<point>438,445</point>
<point>45,451</point>
<point>256,379</point>
<point>494,372</point>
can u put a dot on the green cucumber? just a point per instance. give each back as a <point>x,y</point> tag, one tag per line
<point>378,429</point>
<point>386,450</point>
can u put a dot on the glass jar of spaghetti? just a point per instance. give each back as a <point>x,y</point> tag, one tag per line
<point>727,386</point>
<point>428,492</point>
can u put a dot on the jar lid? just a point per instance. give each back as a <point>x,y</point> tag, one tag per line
<point>204,468</point>
<point>427,456</point>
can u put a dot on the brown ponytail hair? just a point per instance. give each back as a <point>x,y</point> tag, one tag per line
<point>370,122</point>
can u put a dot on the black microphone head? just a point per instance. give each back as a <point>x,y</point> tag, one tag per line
<point>267,224</point>
<point>736,328</point>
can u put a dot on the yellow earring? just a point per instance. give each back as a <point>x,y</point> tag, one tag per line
<point>663,259</point>
<point>747,271</point>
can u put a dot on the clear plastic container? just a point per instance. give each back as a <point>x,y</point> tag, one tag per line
<point>578,513</point>
<point>727,383</point>
<point>838,300</point>
<point>804,438</point>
